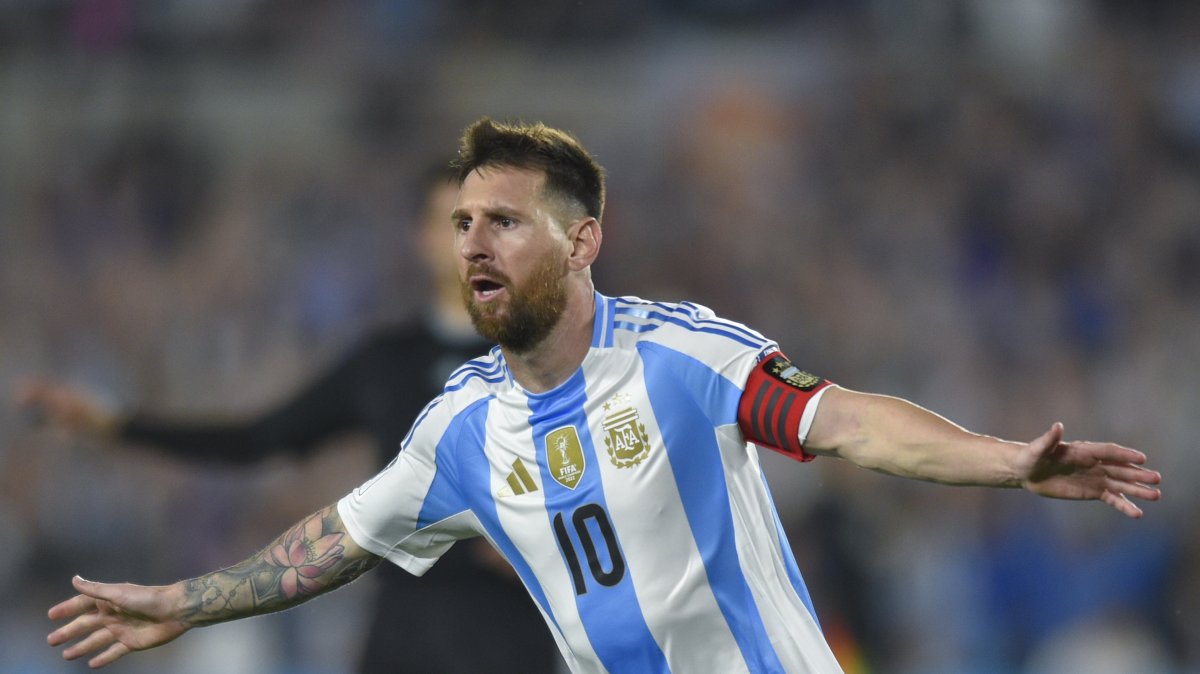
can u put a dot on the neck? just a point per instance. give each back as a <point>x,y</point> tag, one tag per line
<point>556,357</point>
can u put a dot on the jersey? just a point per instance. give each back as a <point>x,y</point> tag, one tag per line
<point>627,499</point>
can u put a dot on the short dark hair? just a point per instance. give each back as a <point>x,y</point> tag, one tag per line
<point>571,172</point>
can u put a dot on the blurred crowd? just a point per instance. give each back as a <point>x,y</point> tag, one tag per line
<point>991,208</point>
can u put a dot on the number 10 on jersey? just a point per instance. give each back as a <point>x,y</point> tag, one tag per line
<point>590,522</point>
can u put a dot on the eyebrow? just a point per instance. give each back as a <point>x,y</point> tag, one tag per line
<point>492,212</point>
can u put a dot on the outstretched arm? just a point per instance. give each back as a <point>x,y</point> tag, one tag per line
<point>296,425</point>
<point>894,436</point>
<point>314,556</point>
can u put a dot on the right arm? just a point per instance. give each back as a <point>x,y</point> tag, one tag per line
<point>313,557</point>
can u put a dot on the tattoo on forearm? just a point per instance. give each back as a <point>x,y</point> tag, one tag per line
<point>305,561</point>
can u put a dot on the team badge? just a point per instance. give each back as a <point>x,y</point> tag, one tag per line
<point>784,371</point>
<point>564,455</point>
<point>625,435</point>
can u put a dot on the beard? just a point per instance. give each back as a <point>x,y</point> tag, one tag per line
<point>530,312</point>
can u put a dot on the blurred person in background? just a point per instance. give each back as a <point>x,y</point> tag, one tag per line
<point>379,386</point>
<point>689,510</point>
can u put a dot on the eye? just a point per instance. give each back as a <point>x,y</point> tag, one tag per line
<point>462,224</point>
<point>506,223</point>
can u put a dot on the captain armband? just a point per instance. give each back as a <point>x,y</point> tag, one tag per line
<point>771,412</point>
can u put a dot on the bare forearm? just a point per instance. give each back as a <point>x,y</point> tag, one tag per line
<point>313,557</point>
<point>896,437</point>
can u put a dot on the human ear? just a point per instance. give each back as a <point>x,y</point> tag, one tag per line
<point>585,237</point>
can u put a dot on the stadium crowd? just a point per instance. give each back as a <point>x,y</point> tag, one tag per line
<point>989,208</point>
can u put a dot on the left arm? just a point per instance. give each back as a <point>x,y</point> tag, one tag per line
<point>896,437</point>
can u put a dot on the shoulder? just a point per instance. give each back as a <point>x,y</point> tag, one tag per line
<point>681,324</point>
<point>477,375</point>
<point>471,384</point>
<point>461,401</point>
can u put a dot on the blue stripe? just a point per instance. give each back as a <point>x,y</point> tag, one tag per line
<point>699,475</point>
<point>444,497</point>
<point>754,344</point>
<point>474,477</point>
<point>499,356</point>
<point>636,311</point>
<point>690,309</point>
<point>732,325</point>
<point>487,362</point>
<point>474,369</point>
<point>482,366</point>
<point>609,304</point>
<point>492,379</point>
<point>601,334</point>
<point>420,418</point>
<point>612,616</point>
<point>789,559</point>
<point>639,302</point>
<point>635,327</point>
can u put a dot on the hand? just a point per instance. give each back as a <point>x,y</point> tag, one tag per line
<point>66,407</point>
<point>1087,470</point>
<point>119,618</point>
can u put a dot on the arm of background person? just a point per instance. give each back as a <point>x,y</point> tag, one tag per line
<point>313,557</point>
<point>897,437</point>
<point>322,408</point>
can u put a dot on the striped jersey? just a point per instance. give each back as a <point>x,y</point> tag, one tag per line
<point>627,499</point>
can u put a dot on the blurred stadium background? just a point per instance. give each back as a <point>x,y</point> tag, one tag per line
<point>989,207</point>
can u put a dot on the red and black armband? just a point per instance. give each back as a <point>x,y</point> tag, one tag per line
<point>773,403</point>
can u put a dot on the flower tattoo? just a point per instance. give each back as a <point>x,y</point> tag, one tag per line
<point>304,554</point>
<point>310,558</point>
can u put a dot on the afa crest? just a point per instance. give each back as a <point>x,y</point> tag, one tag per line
<point>783,370</point>
<point>625,435</point>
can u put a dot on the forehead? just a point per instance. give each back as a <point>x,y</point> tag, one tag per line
<point>492,187</point>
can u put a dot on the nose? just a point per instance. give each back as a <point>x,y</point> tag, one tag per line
<point>473,244</point>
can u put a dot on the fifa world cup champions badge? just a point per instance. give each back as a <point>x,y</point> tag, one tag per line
<point>624,433</point>
<point>564,455</point>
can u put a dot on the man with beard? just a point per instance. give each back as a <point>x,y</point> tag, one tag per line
<point>605,448</point>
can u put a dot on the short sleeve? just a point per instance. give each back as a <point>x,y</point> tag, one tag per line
<point>389,515</point>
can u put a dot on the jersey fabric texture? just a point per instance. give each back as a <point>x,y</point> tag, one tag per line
<point>379,386</point>
<point>627,499</point>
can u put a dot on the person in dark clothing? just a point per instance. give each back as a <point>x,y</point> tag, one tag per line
<point>380,386</point>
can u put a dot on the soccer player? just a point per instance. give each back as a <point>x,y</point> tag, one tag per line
<point>605,447</point>
<point>379,387</point>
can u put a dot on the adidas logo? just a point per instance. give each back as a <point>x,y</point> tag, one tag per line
<point>519,481</point>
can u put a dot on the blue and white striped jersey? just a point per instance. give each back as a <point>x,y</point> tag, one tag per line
<point>627,499</point>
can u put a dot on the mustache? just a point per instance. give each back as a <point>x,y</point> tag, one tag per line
<point>489,271</point>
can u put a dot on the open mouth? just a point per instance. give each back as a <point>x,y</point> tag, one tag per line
<point>485,289</point>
